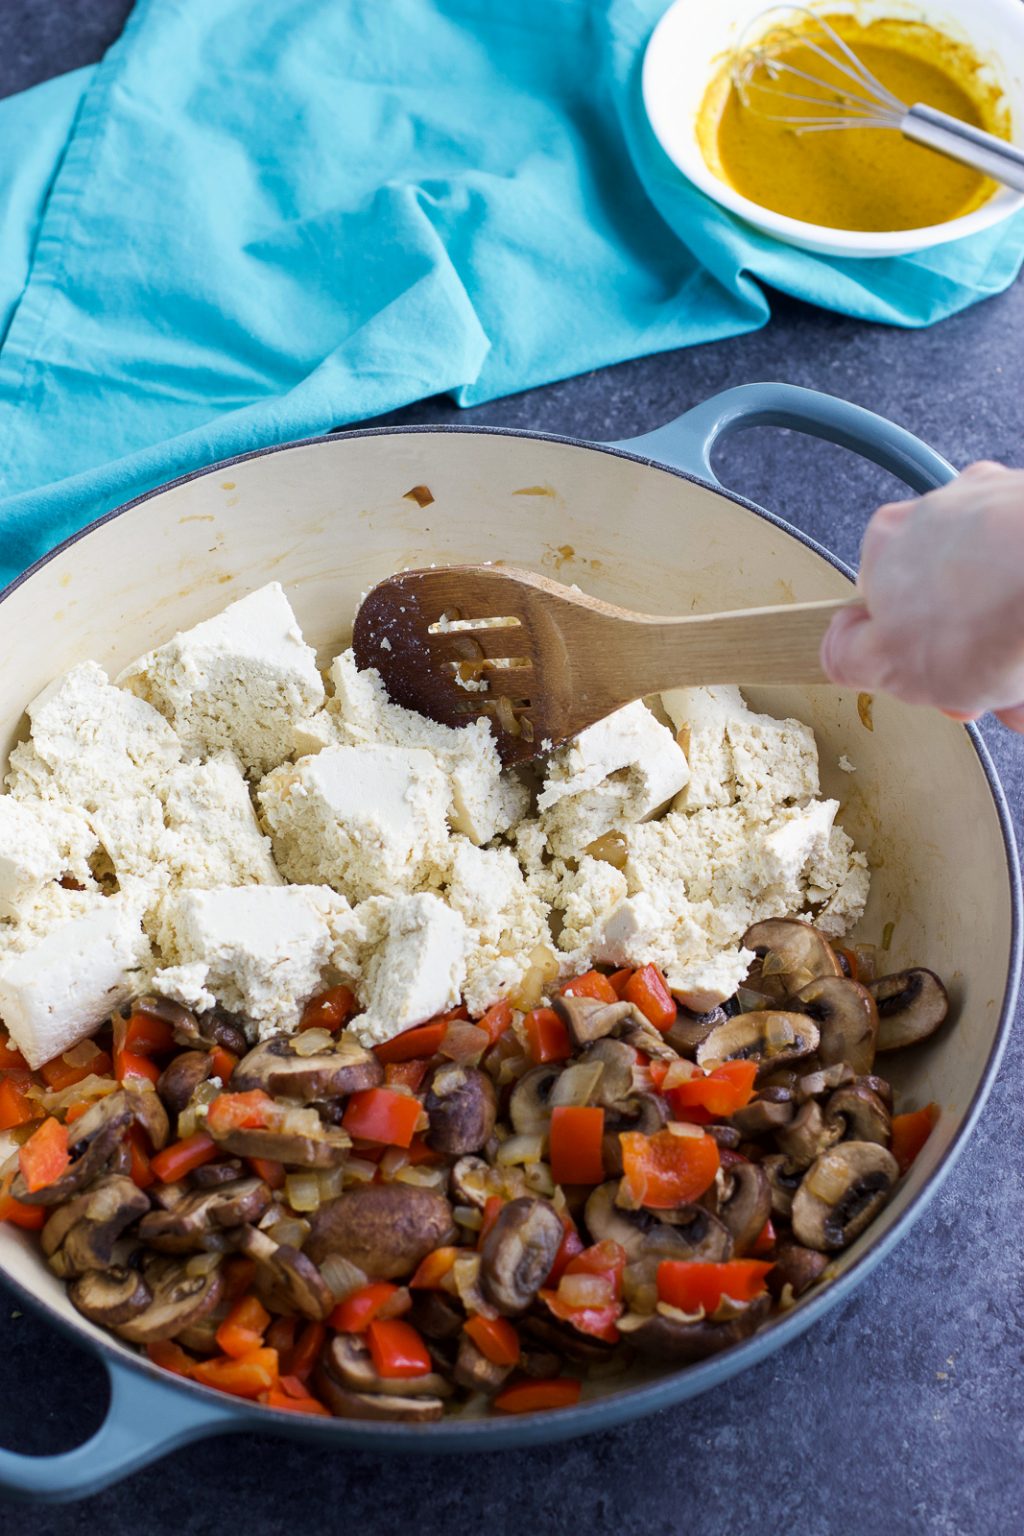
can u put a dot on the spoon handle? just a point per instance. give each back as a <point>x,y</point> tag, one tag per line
<point>962,141</point>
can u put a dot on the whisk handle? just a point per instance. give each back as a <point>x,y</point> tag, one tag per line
<point>961,141</point>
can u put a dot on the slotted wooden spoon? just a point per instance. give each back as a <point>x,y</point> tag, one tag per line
<point>542,661</point>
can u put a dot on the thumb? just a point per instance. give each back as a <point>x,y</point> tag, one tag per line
<point>1014,718</point>
<point>850,653</point>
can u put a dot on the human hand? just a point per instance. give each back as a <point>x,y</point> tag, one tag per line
<point>942,615</point>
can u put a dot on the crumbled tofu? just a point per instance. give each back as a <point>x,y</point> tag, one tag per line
<point>838,886</point>
<point>239,681</point>
<point>505,921</point>
<point>366,820</point>
<point>736,754</point>
<point>55,990</point>
<point>485,800</point>
<point>40,841</point>
<point>620,770</point>
<point>846,765</point>
<point>257,950</point>
<point>585,898</point>
<point>416,972</point>
<point>798,836</point>
<point>212,836</point>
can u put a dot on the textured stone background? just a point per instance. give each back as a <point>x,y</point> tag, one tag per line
<point>900,1413</point>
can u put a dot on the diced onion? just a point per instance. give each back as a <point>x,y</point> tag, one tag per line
<point>539,1179</point>
<point>469,1217</point>
<point>394,1159</point>
<point>290,1230</point>
<point>541,970</point>
<point>427,1178</point>
<point>303,1190</point>
<point>774,964</point>
<point>341,1276</point>
<point>331,1182</point>
<point>678,1316</point>
<point>576,1085</point>
<point>611,848</point>
<point>866,956</point>
<point>828,1179</point>
<point>684,1128</point>
<point>465,1273</point>
<point>301,1122</point>
<point>464,1042</point>
<point>397,1304</point>
<point>91,1087</point>
<point>779,1032</point>
<point>586,1290</point>
<point>528,1148</point>
<point>678,1072</point>
<point>751,1001</point>
<point>81,1054</point>
<point>358,1171</point>
<point>202,1263</point>
<point>309,1041</point>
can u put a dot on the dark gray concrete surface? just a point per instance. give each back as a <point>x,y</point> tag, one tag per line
<point>900,1415</point>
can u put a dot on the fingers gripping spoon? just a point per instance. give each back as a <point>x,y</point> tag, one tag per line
<point>542,661</point>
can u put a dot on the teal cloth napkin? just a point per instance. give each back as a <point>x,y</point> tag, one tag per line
<point>256,222</point>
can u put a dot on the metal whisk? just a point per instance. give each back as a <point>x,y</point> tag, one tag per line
<point>858,99</point>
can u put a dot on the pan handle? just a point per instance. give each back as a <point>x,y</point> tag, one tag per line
<point>687,442</point>
<point>145,1420</point>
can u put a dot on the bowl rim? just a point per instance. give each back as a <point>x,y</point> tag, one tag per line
<point>617,1407</point>
<point>688,159</point>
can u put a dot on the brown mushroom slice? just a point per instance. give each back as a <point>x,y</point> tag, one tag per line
<point>784,1181</point>
<point>191,1029</point>
<point>345,1404</point>
<point>185,1228</point>
<point>588,1018</point>
<point>772,1108</point>
<point>290,1277</point>
<point>319,1147</point>
<point>110,1296</point>
<point>282,1067</point>
<point>705,1238</point>
<point>796,1267</point>
<point>436,1314</point>
<point>847,1021</point>
<point>92,1140</point>
<point>691,1029</point>
<point>179,1300</point>
<point>841,1193</point>
<point>518,1253</point>
<point>770,1038</point>
<point>475,1372</point>
<point>149,1112</point>
<point>181,1077</point>
<point>473,1182</point>
<point>540,1363</point>
<point>911,1005</point>
<point>617,1059</point>
<point>815,1085</point>
<point>807,1135</point>
<point>209,1175</point>
<point>671,1342</point>
<point>565,1340</point>
<point>792,953</point>
<point>347,1358</point>
<point>385,1230</point>
<point>860,1114</point>
<point>644,1112</point>
<point>746,1204</point>
<point>98,1218</point>
<point>462,1107</point>
<point>606,1221</point>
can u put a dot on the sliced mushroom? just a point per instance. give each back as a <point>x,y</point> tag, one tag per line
<point>436,1315</point>
<point>841,1193</point>
<point>767,1037</point>
<point>345,1404</point>
<point>588,1019</point>
<point>83,1234</point>
<point>190,1029</point>
<point>347,1357</point>
<point>727,1136</point>
<point>384,1229</point>
<point>642,1035</point>
<point>462,1107</point>
<point>209,1175</point>
<point>911,1006</point>
<point>772,1108</point>
<point>540,1363</point>
<point>860,1114</point>
<point>518,1253</point>
<point>475,1372</point>
<point>644,1112</point>
<point>792,953</point>
<point>181,1077</point>
<point>807,1135</point>
<point>606,1221</point>
<point>796,1267</point>
<point>186,1228</point>
<point>746,1204</point>
<point>784,1181</point>
<point>847,1021</point>
<point>110,1296</point>
<point>529,1106</point>
<point>879,1086</point>
<point>704,1236</point>
<point>672,1342</point>
<point>691,1029</point>
<point>566,1341</point>
<point>280,1068</point>
<point>179,1299</point>
<point>473,1182</point>
<point>92,1140</point>
<point>617,1062</point>
<point>814,1085</point>
<point>288,1276</point>
<point>318,1147</point>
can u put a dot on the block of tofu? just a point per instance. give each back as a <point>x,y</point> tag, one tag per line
<point>485,800</point>
<point>239,681</point>
<point>505,921</point>
<point>257,950</point>
<point>736,754</point>
<point>91,742</point>
<point>59,986</point>
<point>40,841</point>
<point>798,836</point>
<point>417,969</point>
<point>366,820</point>
<point>212,837</point>
<point>620,770</point>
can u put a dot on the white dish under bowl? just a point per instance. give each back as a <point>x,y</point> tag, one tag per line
<point>691,41</point>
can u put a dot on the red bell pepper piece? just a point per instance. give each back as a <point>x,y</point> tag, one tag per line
<point>537,1396</point>
<point>223,1063</point>
<point>547,1036</point>
<point>666,1170</point>
<point>433,1269</point>
<point>140,1169</point>
<point>10,1056</point>
<point>130,1064</point>
<point>59,1074</point>
<point>380,1114</point>
<point>272,1173</point>
<point>357,1312</point>
<point>30,1217</point>
<point>147,1034</point>
<point>252,1111</point>
<point>409,1074</point>
<point>910,1132</point>
<point>495,1338</point>
<point>45,1155</point>
<point>576,1136</point>
<point>607,1260</point>
<point>397,1349</point>
<point>591,984</point>
<point>422,1041</point>
<point>619,979</point>
<point>496,1020</point>
<point>328,1010</point>
<point>492,1210</point>
<point>690,1286</point>
<point>16,1108</point>
<point>648,989</point>
<point>248,1376</point>
<point>722,1092</point>
<point>175,1161</point>
<point>243,1329</point>
<point>571,1245</point>
<point>171,1357</point>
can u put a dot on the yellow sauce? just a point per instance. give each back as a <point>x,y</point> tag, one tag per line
<point>860,178</point>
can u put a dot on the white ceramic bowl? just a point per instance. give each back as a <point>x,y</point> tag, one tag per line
<point>690,42</point>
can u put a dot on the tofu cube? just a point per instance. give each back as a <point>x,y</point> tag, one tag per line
<point>416,972</point>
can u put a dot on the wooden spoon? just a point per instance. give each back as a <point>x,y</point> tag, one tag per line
<point>543,661</point>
